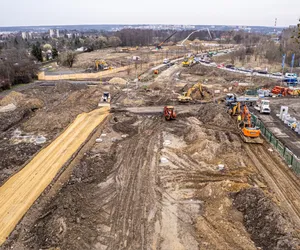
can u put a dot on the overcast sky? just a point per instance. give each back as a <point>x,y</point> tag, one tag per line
<point>228,12</point>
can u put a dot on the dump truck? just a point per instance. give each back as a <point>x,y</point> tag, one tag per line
<point>233,98</point>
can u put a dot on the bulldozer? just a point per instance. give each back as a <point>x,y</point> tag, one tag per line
<point>101,65</point>
<point>249,133</point>
<point>169,113</point>
<point>186,96</point>
<point>105,100</point>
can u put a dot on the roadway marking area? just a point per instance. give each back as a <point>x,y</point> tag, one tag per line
<point>19,193</point>
<point>278,132</point>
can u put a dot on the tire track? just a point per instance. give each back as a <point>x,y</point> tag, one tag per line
<point>279,178</point>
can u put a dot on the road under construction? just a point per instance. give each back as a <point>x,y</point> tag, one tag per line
<point>143,181</point>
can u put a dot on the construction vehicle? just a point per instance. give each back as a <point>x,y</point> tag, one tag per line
<point>249,133</point>
<point>235,109</point>
<point>233,98</point>
<point>159,46</point>
<point>263,106</point>
<point>169,113</point>
<point>187,62</point>
<point>186,96</point>
<point>101,65</point>
<point>282,91</point>
<point>105,100</point>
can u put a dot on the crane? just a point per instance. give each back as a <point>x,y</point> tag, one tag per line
<point>159,45</point>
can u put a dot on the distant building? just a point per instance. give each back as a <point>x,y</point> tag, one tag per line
<point>24,35</point>
<point>51,33</point>
<point>54,33</point>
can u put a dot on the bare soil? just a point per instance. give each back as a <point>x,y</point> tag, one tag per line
<point>60,105</point>
<point>152,184</point>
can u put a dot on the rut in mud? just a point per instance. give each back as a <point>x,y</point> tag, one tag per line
<point>152,184</point>
<point>159,188</point>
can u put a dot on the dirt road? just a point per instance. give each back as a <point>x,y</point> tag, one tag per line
<point>22,189</point>
<point>157,189</point>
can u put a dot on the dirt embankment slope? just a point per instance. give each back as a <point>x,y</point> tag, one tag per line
<point>22,189</point>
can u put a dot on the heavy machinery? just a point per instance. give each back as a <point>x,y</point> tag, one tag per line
<point>186,96</point>
<point>169,113</point>
<point>187,62</point>
<point>159,46</point>
<point>235,109</point>
<point>233,98</point>
<point>101,65</point>
<point>105,100</point>
<point>249,133</point>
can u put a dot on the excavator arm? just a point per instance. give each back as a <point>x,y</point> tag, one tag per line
<point>159,45</point>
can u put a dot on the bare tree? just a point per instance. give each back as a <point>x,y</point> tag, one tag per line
<point>114,41</point>
<point>68,58</point>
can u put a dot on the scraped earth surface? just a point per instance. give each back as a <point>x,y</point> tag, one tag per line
<point>152,184</point>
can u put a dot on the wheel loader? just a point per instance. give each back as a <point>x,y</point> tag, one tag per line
<point>169,113</point>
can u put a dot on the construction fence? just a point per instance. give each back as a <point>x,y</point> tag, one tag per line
<point>290,158</point>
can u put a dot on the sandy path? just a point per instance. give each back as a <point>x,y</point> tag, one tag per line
<point>21,190</point>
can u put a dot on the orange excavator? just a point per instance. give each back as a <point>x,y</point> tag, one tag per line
<point>249,133</point>
<point>169,113</point>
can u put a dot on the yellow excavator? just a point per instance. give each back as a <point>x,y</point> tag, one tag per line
<point>186,96</point>
<point>235,109</point>
<point>101,65</point>
<point>187,62</point>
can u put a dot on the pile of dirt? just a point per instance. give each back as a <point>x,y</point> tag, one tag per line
<point>32,103</point>
<point>117,80</point>
<point>197,41</point>
<point>187,42</point>
<point>268,227</point>
<point>216,115</point>
<point>13,97</point>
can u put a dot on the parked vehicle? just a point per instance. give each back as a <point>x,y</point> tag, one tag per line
<point>166,61</point>
<point>263,106</point>
<point>277,74</point>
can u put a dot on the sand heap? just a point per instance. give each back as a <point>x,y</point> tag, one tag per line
<point>117,80</point>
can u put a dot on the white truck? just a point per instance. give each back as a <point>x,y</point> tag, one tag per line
<point>233,98</point>
<point>263,106</point>
<point>166,61</point>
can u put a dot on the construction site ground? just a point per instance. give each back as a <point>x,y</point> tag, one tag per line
<point>140,182</point>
